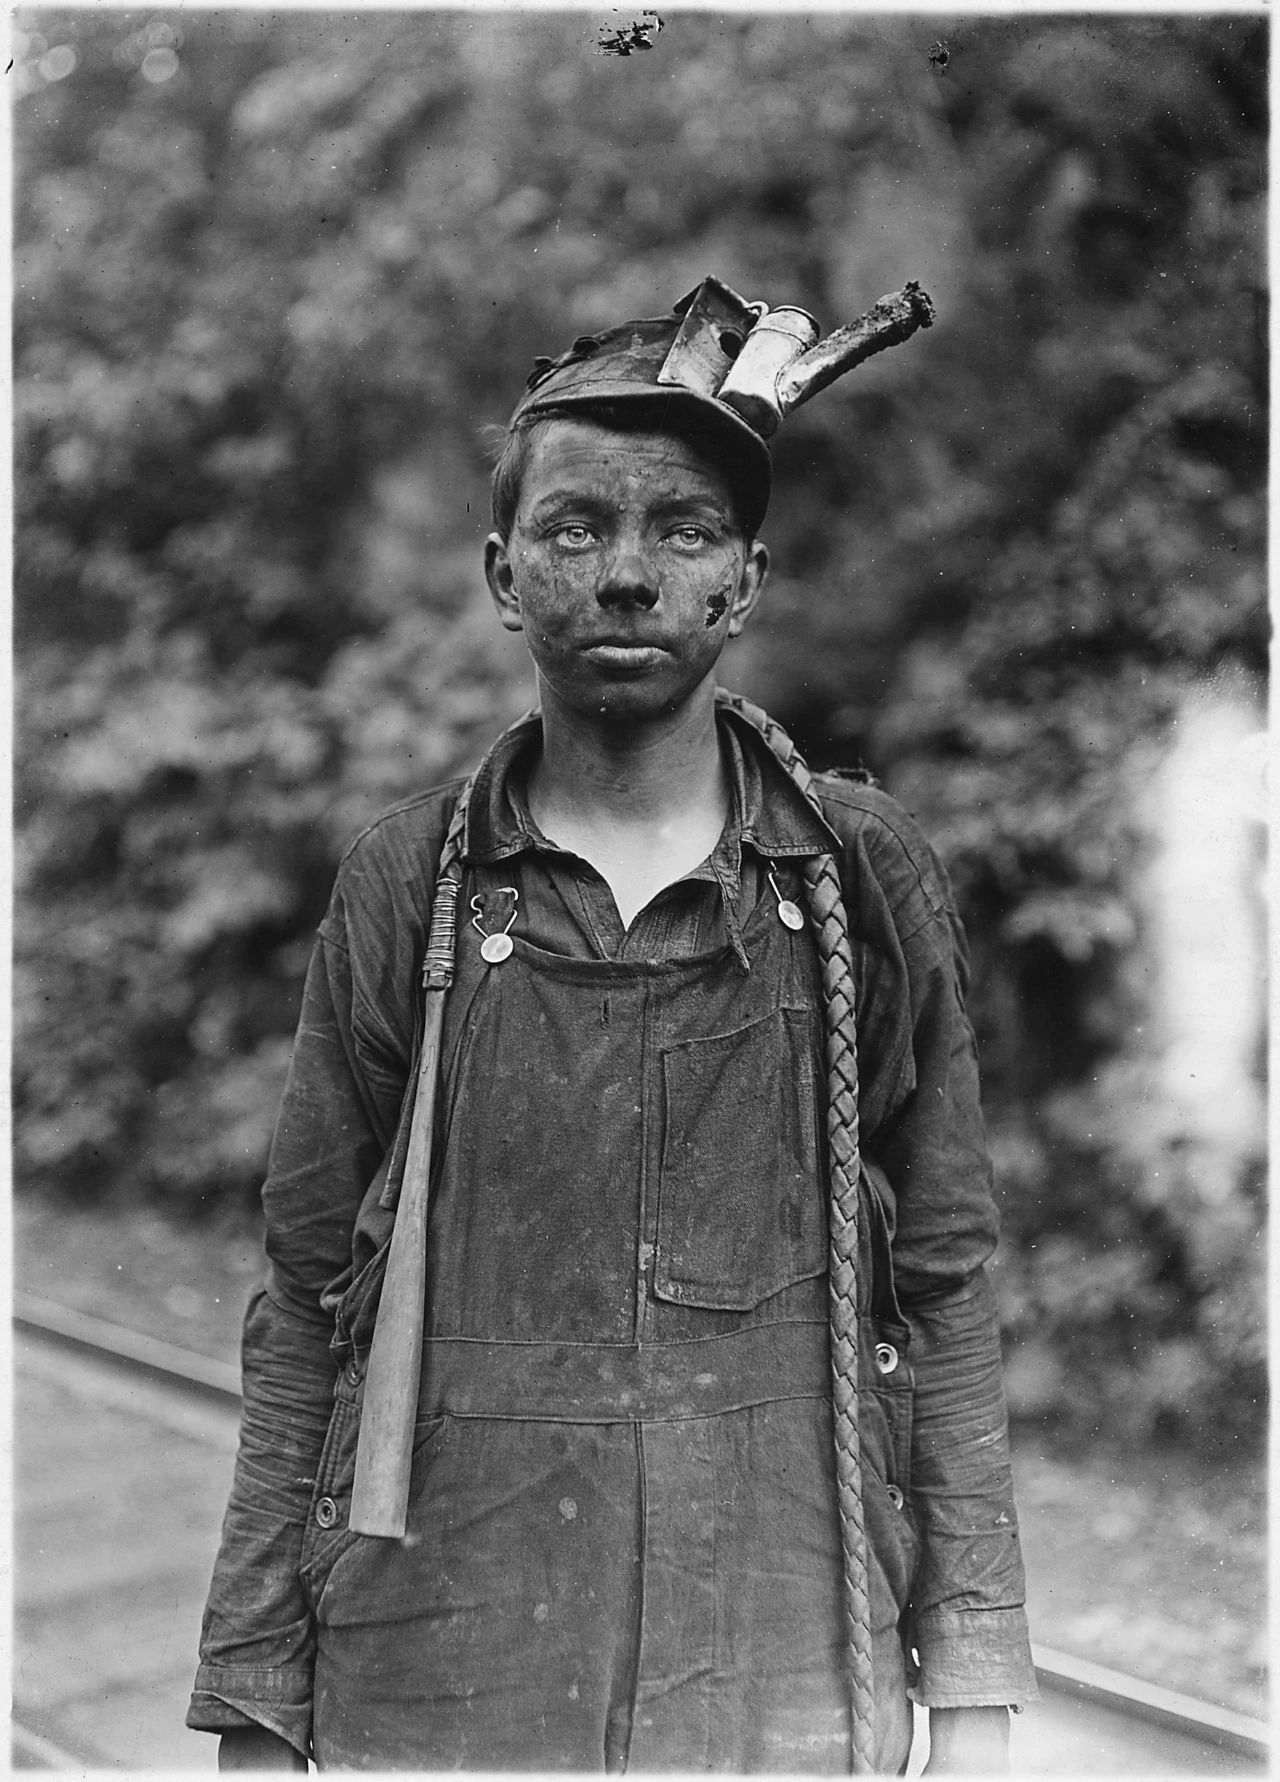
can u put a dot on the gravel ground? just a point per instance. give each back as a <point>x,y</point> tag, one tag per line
<point>1153,1562</point>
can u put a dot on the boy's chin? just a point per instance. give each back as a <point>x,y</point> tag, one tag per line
<point>633,700</point>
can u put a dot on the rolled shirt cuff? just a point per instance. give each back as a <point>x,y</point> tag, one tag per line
<point>228,1696</point>
<point>974,1658</point>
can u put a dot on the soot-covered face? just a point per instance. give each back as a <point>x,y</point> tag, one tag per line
<point>626,568</point>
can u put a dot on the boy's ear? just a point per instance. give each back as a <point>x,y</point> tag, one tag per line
<point>502,584</point>
<point>755,573</point>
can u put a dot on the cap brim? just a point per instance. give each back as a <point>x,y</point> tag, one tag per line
<point>684,412</point>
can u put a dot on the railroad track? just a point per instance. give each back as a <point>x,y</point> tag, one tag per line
<point>1092,1720</point>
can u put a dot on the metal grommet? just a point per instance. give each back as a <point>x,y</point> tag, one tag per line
<point>353,1372</point>
<point>895,1496</point>
<point>326,1512</point>
<point>886,1357</point>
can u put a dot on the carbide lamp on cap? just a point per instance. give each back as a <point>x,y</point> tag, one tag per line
<point>729,368</point>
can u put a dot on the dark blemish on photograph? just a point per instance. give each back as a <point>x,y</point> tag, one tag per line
<point>638,35</point>
<point>717,607</point>
<point>940,55</point>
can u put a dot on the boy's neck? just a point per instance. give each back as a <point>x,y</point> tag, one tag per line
<point>629,777</point>
<point>644,804</point>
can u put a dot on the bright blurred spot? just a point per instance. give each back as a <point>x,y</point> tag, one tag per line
<point>159,65</point>
<point>134,51</point>
<point>58,63</point>
<point>1209,920</point>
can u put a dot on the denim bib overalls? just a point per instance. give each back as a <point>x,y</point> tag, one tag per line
<point>623,1547</point>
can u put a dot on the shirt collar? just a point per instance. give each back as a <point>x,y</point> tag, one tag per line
<point>769,812</point>
<point>777,819</point>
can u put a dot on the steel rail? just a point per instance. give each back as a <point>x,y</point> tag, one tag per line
<point>1058,1672</point>
<point>195,1375</point>
<point>1095,1684</point>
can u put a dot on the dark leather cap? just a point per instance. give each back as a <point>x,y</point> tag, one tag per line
<point>619,368</point>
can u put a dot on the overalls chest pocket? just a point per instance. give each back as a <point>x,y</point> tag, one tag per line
<point>741,1203</point>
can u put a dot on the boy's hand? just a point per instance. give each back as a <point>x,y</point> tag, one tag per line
<point>254,1748</point>
<point>968,1742</point>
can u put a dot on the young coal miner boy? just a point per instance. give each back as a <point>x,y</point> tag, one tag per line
<point>667,1432</point>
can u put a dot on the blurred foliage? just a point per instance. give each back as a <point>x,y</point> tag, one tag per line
<point>273,271</point>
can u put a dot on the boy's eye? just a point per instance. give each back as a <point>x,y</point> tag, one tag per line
<point>690,535</point>
<point>574,534</point>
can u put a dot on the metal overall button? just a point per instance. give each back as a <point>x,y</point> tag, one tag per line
<point>895,1496</point>
<point>352,1371</point>
<point>326,1513</point>
<point>886,1357</point>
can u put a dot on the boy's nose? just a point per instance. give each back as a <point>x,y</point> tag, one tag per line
<point>629,580</point>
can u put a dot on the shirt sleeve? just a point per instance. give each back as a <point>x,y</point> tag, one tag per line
<point>257,1641</point>
<point>968,1615</point>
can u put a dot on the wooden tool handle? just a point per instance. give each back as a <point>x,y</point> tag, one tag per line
<point>384,1450</point>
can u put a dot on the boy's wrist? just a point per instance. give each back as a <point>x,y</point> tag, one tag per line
<point>968,1741</point>
<point>257,1748</point>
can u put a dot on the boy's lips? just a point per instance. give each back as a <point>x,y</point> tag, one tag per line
<point>624,653</point>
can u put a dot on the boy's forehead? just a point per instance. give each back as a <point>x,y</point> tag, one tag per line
<point>576,453</point>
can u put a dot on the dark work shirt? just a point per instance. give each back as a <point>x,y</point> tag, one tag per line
<point>716,934</point>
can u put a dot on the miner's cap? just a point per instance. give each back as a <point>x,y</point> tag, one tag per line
<point>719,371</point>
<point>665,371</point>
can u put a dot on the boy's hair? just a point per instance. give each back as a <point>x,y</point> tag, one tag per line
<point>514,444</point>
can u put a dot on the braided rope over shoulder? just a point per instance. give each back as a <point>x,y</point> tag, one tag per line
<point>831,927</point>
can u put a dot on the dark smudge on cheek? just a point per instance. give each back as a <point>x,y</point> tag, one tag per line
<point>717,607</point>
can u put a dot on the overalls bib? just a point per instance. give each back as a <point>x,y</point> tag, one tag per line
<point>623,1547</point>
